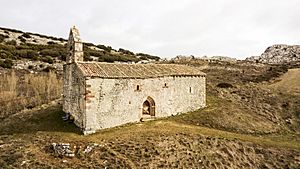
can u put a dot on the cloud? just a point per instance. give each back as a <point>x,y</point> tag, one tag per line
<point>167,27</point>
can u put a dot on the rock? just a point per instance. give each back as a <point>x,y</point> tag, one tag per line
<point>278,54</point>
<point>89,148</point>
<point>62,149</point>
<point>288,121</point>
<point>24,162</point>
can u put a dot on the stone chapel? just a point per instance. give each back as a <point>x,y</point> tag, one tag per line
<point>101,95</point>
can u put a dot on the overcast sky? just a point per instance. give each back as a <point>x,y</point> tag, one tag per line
<point>236,28</point>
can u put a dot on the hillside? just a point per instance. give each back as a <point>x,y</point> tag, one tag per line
<point>278,54</point>
<point>252,118</point>
<point>246,124</point>
<point>16,45</point>
<point>289,82</point>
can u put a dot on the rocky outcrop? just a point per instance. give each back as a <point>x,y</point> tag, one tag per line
<point>220,58</point>
<point>278,54</point>
<point>213,58</point>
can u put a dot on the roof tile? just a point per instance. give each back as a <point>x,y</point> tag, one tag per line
<point>114,70</point>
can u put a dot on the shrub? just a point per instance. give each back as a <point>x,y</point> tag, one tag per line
<point>50,52</point>
<point>47,59</point>
<point>7,63</point>
<point>26,35</point>
<point>87,57</point>
<point>6,54</point>
<point>2,37</point>
<point>8,48</point>
<point>23,46</point>
<point>147,56</point>
<point>62,39</point>
<point>95,53</point>
<point>22,39</point>
<point>29,54</point>
<point>51,43</point>
<point>48,69</point>
<point>106,48</point>
<point>126,51</point>
<point>224,85</point>
<point>89,44</point>
<point>63,55</point>
<point>32,54</point>
<point>143,58</point>
<point>12,30</point>
<point>11,42</point>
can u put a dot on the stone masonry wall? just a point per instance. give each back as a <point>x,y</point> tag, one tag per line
<point>117,101</point>
<point>74,94</point>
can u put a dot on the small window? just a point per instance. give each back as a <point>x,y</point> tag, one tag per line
<point>165,85</point>
<point>190,89</point>
<point>137,87</point>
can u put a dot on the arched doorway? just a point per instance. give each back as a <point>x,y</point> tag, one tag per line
<point>149,107</point>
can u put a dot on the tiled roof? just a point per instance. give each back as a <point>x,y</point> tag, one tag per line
<point>113,70</point>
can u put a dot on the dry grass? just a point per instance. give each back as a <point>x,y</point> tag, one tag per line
<point>26,91</point>
<point>231,132</point>
<point>154,144</point>
<point>289,82</point>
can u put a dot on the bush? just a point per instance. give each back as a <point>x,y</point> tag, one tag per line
<point>106,48</point>
<point>87,57</point>
<point>89,44</point>
<point>224,85</point>
<point>26,35</point>
<point>50,52</point>
<point>147,56</point>
<point>62,39</point>
<point>63,55</point>
<point>8,49</point>
<point>22,39</point>
<point>51,43</point>
<point>47,59</point>
<point>6,55</point>
<point>2,37</point>
<point>48,69</point>
<point>11,42</point>
<point>12,30</point>
<point>143,58</point>
<point>126,51</point>
<point>7,63</point>
<point>29,54</point>
<point>30,67</point>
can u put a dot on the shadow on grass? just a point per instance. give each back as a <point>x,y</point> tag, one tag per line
<point>48,120</point>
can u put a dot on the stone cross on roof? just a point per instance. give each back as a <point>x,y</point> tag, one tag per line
<point>75,46</point>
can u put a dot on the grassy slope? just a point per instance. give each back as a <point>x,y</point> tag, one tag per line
<point>289,82</point>
<point>227,133</point>
<point>27,136</point>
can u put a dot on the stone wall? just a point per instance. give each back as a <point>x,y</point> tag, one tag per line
<point>114,102</point>
<point>74,94</point>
